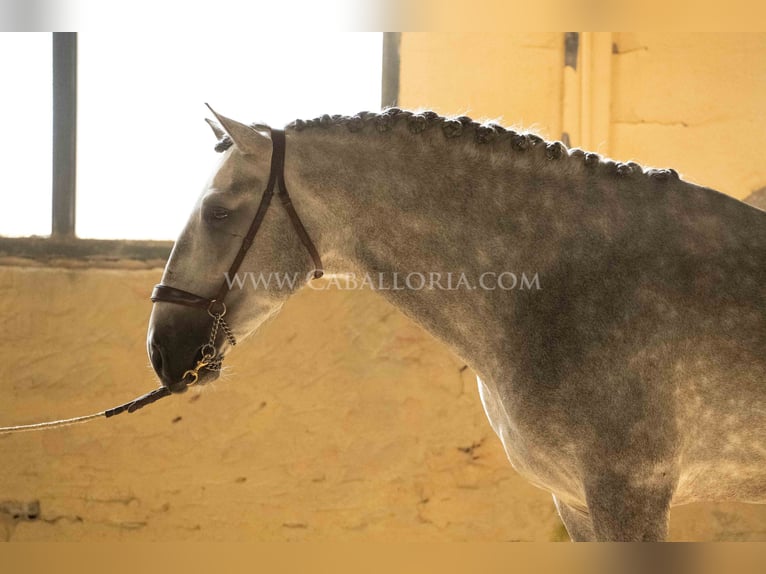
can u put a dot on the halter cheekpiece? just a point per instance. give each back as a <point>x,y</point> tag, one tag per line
<point>215,306</point>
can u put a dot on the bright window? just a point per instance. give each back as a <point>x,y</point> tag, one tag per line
<point>25,148</point>
<point>144,151</point>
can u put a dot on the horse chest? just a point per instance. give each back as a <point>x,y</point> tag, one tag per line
<point>543,458</point>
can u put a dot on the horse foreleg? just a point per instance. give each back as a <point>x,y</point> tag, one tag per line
<point>577,522</point>
<point>623,511</point>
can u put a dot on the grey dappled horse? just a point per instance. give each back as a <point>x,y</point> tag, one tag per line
<point>630,378</point>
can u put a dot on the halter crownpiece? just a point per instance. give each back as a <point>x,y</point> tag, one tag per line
<point>215,306</point>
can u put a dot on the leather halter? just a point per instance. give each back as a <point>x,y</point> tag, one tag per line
<point>214,305</point>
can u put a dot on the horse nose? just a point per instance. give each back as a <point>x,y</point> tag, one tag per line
<point>155,356</point>
<point>158,355</point>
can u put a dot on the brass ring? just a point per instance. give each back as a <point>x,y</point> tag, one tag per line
<point>210,307</point>
<point>207,354</point>
<point>193,374</point>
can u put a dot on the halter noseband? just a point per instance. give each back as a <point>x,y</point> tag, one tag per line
<point>215,305</point>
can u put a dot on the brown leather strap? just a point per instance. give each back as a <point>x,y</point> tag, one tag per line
<point>139,402</point>
<point>279,135</point>
<point>277,160</point>
<point>173,295</point>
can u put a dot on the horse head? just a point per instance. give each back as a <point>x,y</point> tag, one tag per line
<point>219,284</point>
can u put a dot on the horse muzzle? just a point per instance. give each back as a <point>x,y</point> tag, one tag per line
<point>177,359</point>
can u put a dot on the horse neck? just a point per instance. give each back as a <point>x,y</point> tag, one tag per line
<point>396,203</point>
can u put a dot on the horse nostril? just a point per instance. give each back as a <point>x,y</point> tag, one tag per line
<point>155,356</point>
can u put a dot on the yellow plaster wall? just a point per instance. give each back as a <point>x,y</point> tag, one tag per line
<point>693,102</point>
<point>340,419</point>
<point>513,77</point>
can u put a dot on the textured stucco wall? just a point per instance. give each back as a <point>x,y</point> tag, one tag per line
<point>693,102</point>
<point>515,78</point>
<point>340,419</point>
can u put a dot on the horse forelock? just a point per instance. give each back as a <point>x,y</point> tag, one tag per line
<point>223,144</point>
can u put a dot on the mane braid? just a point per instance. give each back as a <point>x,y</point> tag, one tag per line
<point>483,134</point>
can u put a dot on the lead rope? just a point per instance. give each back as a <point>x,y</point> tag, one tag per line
<point>130,407</point>
<point>210,360</point>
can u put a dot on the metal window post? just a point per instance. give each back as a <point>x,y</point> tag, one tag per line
<point>64,133</point>
<point>390,91</point>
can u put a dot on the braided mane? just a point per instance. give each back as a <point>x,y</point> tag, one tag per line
<point>482,133</point>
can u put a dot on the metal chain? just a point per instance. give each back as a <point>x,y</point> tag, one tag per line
<point>212,361</point>
<point>229,334</point>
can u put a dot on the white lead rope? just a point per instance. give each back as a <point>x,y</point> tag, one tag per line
<point>130,407</point>
<point>209,360</point>
<point>51,424</point>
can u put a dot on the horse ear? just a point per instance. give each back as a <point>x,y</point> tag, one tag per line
<point>244,137</point>
<point>217,129</point>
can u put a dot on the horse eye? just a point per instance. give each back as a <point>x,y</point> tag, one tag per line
<point>218,213</point>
